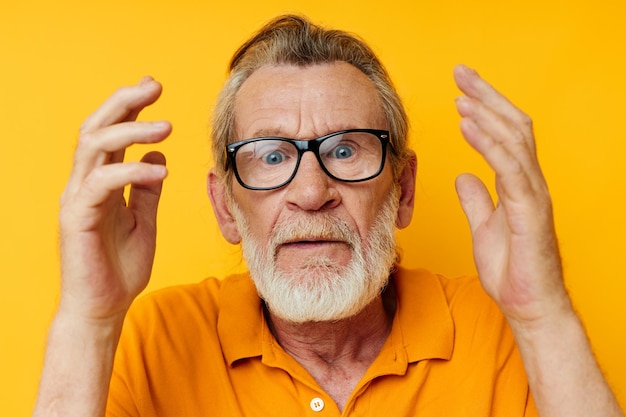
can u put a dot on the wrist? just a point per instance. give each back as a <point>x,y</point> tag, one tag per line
<point>78,322</point>
<point>545,326</point>
<point>540,310</point>
<point>97,309</point>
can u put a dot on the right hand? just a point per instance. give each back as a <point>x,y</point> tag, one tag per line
<point>107,246</point>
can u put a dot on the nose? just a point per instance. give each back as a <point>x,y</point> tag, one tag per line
<point>311,189</point>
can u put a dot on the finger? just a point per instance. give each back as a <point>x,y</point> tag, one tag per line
<point>470,83</point>
<point>105,180</point>
<point>104,145</point>
<point>147,83</point>
<point>144,198</point>
<point>124,105</point>
<point>515,181</point>
<point>475,200</point>
<point>512,137</point>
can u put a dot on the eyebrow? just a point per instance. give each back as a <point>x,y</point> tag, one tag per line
<point>267,132</point>
<point>262,133</point>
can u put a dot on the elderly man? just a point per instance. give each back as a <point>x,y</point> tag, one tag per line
<point>312,176</point>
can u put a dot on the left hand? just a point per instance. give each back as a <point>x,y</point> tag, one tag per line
<point>515,245</point>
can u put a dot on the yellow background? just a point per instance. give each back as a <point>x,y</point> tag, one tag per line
<point>561,61</point>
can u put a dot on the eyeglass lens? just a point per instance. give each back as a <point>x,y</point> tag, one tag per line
<point>350,156</point>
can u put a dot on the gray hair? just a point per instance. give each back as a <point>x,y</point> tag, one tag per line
<point>295,40</point>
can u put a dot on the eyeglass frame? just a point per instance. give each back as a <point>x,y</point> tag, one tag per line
<point>302,146</point>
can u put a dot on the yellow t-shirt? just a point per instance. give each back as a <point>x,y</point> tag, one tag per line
<point>205,350</point>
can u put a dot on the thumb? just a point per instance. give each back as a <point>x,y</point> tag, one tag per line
<point>144,198</point>
<point>475,200</point>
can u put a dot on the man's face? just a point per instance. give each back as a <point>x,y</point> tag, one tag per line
<point>313,233</point>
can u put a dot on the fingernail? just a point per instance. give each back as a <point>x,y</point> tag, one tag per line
<point>159,170</point>
<point>469,71</point>
<point>463,103</point>
<point>146,80</point>
<point>161,124</point>
<point>468,125</point>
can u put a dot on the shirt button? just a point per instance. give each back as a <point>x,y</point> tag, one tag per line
<point>317,404</point>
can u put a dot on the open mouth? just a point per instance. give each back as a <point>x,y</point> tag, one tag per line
<point>311,248</point>
<point>310,243</point>
<point>298,251</point>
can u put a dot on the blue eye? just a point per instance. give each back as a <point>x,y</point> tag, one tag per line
<point>342,152</point>
<point>273,158</point>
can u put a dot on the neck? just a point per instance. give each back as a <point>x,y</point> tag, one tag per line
<point>337,353</point>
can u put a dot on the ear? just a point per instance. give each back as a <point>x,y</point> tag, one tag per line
<point>407,192</point>
<point>217,194</point>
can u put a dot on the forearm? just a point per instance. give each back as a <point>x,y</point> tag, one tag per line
<point>78,366</point>
<point>564,377</point>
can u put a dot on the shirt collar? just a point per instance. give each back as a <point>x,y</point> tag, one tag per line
<point>422,326</point>
<point>240,323</point>
<point>423,322</point>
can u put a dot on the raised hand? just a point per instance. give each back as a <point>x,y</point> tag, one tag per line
<point>107,250</point>
<point>107,246</point>
<point>517,257</point>
<point>515,245</point>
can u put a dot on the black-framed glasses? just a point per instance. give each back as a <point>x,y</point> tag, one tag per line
<point>268,163</point>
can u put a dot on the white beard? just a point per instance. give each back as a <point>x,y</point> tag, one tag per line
<point>321,290</point>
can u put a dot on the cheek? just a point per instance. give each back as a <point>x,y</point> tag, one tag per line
<point>362,214</point>
<point>259,213</point>
<point>364,205</point>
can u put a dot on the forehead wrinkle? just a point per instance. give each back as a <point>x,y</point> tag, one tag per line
<point>298,108</point>
<point>269,102</point>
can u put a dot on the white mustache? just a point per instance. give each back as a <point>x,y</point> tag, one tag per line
<point>311,228</point>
